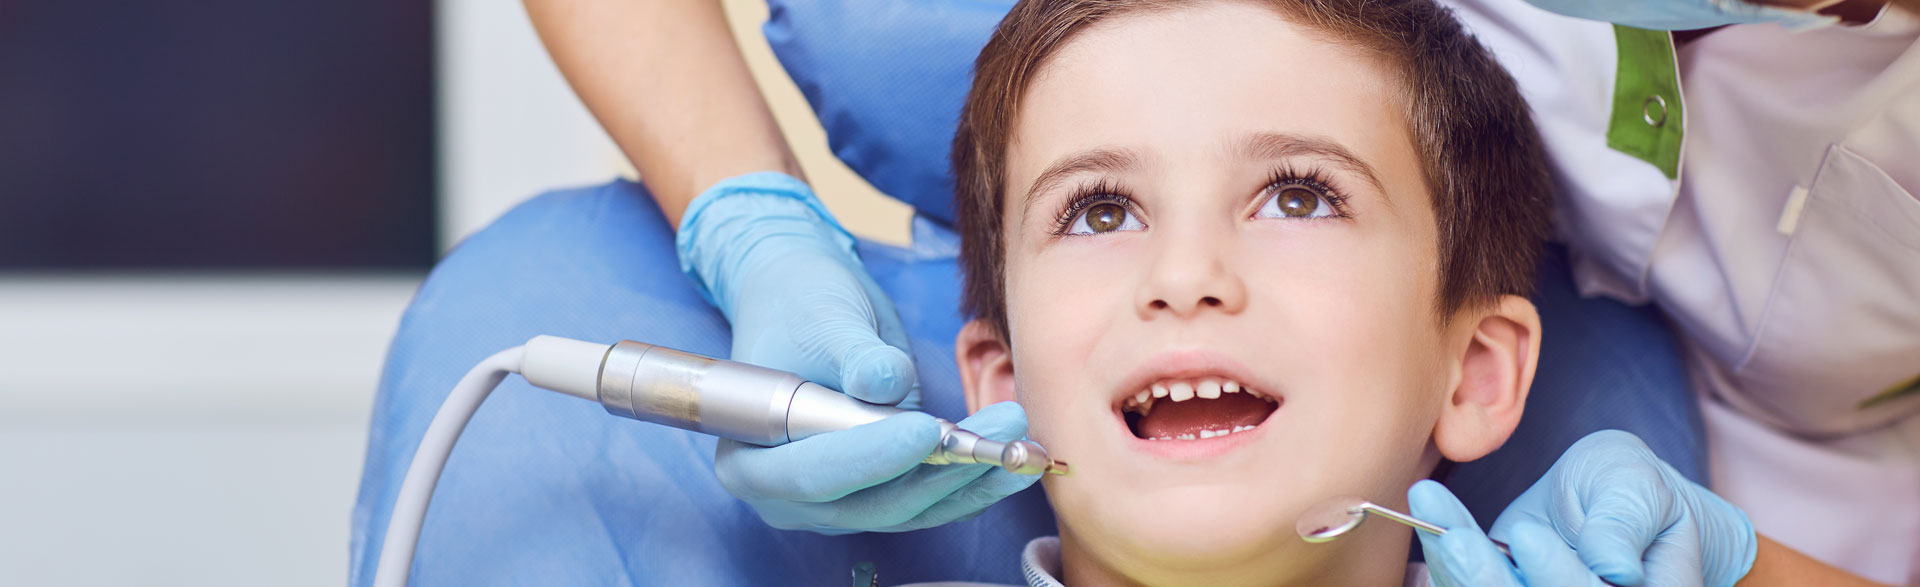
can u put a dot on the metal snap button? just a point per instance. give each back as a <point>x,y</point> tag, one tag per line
<point>1654,110</point>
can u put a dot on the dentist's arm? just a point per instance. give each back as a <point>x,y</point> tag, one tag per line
<point>1776,565</point>
<point>667,81</point>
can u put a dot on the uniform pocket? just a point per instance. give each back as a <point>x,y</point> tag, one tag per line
<point>1842,322</point>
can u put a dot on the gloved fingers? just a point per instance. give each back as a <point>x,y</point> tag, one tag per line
<point>989,488</point>
<point>1534,505</point>
<point>1592,463</point>
<point>830,466</point>
<point>1606,496</point>
<point>1464,556</point>
<point>880,374</point>
<point>966,517</point>
<point>897,504</point>
<point>894,334</point>
<point>912,401</point>
<point>1545,559</point>
<point>890,505</point>
<point>1004,422</point>
<point>1622,516</point>
<point>1467,559</point>
<point>808,308</point>
<point>1615,545</point>
<point>821,529</point>
<point>837,330</point>
<point>1675,560</point>
<point>790,282</point>
<point>1429,500</point>
<point>886,315</point>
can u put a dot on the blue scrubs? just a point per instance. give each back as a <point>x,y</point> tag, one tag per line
<point>549,489</point>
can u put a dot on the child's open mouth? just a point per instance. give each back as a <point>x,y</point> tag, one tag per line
<point>1181,409</point>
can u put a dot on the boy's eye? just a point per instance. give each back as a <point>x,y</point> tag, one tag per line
<point>1104,217</point>
<point>1296,201</point>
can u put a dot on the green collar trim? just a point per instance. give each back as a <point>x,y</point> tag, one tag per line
<point>1648,119</point>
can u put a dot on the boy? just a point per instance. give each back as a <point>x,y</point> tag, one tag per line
<point>1238,256</point>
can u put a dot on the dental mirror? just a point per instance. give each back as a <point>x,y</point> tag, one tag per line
<point>1329,519</point>
<point>1335,516</point>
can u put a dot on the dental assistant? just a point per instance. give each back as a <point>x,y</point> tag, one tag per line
<point>1752,174</point>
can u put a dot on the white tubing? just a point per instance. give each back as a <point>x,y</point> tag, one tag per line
<point>410,509</point>
<point>565,365</point>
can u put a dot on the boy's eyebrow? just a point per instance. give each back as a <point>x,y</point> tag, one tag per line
<point>1107,160</point>
<point>1275,145</point>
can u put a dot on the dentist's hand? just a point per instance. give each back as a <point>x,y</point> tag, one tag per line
<point>870,478</point>
<point>763,249</point>
<point>1633,519</point>
<point>1465,557</point>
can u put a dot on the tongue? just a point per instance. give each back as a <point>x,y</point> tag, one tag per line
<point>1170,419</point>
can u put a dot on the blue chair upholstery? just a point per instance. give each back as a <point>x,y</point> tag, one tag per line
<point>548,489</point>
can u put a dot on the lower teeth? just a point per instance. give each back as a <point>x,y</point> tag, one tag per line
<point>1206,434</point>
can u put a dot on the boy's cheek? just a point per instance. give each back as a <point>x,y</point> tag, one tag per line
<point>1062,405</point>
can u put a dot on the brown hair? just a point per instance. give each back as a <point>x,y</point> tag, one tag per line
<point>1482,156</point>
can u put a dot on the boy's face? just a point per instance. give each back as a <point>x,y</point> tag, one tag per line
<point>1279,235</point>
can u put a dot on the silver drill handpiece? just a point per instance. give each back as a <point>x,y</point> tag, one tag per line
<point>751,404</point>
<point>1020,456</point>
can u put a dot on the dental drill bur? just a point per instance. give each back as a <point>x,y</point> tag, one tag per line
<point>748,403</point>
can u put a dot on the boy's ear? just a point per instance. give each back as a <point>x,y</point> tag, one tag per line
<point>986,366</point>
<point>1495,373</point>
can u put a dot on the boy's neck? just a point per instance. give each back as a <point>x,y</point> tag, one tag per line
<point>1382,564</point>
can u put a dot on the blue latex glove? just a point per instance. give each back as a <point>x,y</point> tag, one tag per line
<point>1678,15</point>
<point>1633,519</point>
<point>1464,556</point>
<point>763,249</point>
<point>827,483</point>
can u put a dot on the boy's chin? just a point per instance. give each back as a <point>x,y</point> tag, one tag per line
<point>1207,527</point>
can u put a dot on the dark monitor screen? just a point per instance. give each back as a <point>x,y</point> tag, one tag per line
<point>216,134</point>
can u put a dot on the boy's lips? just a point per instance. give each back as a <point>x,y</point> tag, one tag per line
<point>1193,404</point>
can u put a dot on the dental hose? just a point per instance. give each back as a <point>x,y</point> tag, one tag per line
<point>410,509</point>
<point>656,384</point>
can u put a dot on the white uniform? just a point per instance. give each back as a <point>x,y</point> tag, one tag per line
<point>1785,247</point>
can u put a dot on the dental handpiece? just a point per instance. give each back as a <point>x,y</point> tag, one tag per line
<point>748,403</point>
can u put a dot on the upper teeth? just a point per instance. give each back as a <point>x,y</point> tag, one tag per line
<point>1182,390</point>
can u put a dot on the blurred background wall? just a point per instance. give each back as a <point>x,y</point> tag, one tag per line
<point>212,215</point>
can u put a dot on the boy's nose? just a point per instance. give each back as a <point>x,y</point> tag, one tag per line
<point>1191,278</point>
